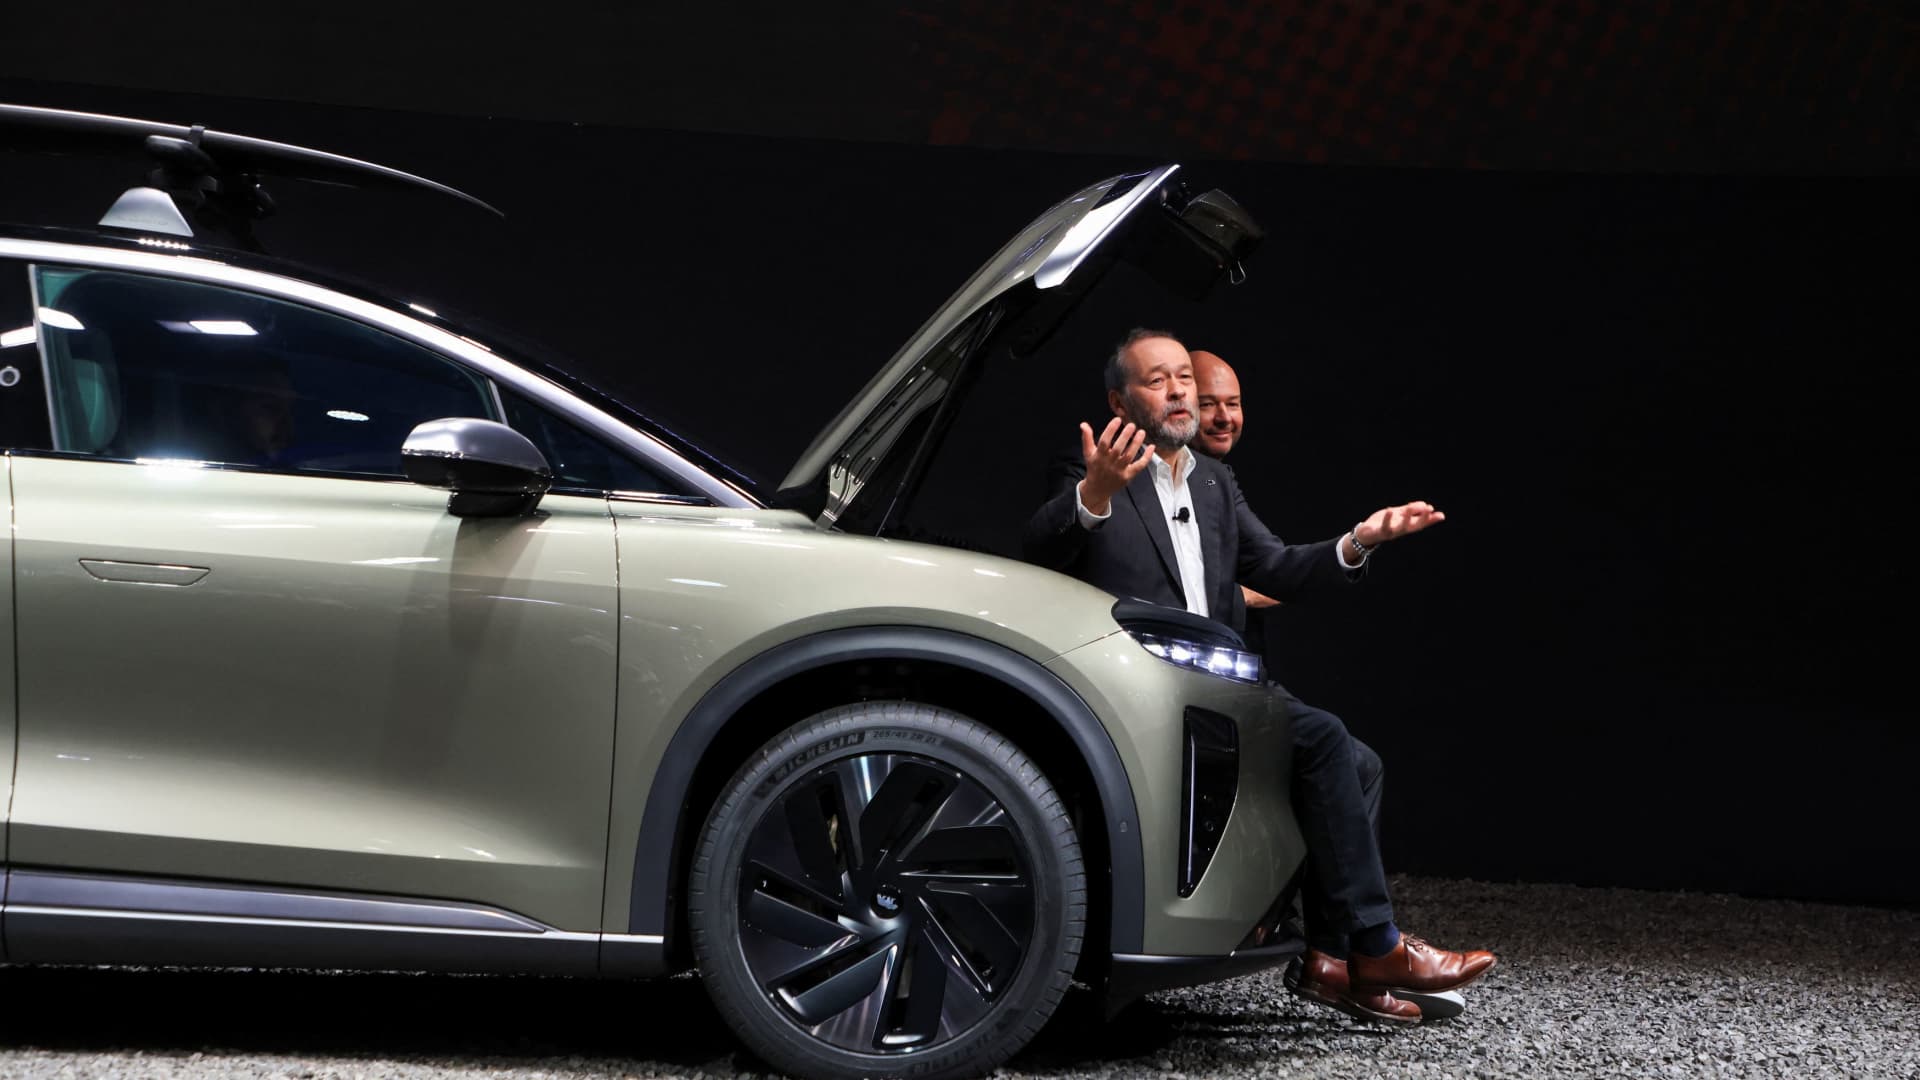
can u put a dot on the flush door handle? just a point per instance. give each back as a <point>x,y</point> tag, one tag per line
<point>145,573</point>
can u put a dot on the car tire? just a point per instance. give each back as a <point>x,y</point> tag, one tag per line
<point>887,889</point>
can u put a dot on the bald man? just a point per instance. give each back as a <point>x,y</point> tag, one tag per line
<point>1217,398</point>
<point>1216,391</point>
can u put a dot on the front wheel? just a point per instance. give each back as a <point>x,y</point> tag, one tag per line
<point>887,889</point>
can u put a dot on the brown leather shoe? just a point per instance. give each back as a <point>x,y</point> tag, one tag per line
<point>1323,979</point>
<point>1416,966</point>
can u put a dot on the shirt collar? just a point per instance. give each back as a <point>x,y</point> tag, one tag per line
<point>1184,459</point>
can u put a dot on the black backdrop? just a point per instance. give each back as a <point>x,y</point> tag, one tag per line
<point>1655,644</point>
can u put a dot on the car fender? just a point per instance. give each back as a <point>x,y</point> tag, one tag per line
<point>656,846</point>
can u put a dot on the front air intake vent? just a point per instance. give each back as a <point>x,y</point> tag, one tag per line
<point>1210,778</point>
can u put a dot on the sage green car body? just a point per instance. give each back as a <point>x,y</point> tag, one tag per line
<point>364,691</point>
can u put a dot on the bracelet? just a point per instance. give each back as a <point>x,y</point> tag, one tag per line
<point>1353,537</point>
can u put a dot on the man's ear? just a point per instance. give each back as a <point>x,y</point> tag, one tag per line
<point>1118,403</point>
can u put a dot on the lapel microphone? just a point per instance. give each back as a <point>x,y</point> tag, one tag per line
<point>1182,516</point>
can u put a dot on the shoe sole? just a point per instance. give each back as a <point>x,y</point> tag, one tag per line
<point>1444,1005</point>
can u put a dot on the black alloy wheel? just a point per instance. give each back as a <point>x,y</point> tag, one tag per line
<point>887,888</point>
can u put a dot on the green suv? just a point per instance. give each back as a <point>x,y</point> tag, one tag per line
<point>344,638</point>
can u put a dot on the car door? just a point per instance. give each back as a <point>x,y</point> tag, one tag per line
<point>6,677</point>
<point>23,424</point>
<point>250,652</point>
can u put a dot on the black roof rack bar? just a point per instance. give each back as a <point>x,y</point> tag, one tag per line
<point>63,130</point>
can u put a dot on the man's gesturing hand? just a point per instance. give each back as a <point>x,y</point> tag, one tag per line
<point>1395,522</point>
<point>1112,462</point>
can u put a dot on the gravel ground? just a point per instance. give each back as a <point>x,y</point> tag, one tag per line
<point>1592,982</point>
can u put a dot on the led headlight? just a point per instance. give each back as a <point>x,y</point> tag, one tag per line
<point>1228,663</point>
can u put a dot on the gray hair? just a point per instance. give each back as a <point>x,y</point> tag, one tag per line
<point>1117,362</point>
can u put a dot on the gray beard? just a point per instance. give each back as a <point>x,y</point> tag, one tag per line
<point>1162,435</point>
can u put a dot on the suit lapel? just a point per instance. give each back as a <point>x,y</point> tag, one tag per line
<point>1216,524</point>
<point>1146,504</point>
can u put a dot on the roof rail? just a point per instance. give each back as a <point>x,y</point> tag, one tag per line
<point>212,174</point>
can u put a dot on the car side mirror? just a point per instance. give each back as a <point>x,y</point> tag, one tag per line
<point>492,470</point>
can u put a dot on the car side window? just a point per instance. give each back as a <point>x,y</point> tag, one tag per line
<point>158,368</point>
<point>580,460</point>
<point>23,393</point>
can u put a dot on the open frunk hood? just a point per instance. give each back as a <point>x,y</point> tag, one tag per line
<point>860,472</point>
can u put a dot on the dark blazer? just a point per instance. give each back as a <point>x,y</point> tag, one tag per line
<point>1132,554</point>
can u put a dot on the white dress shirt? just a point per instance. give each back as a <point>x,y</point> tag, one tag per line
<point>1170,483</point>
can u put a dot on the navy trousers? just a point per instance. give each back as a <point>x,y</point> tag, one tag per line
<point>1337,780</point>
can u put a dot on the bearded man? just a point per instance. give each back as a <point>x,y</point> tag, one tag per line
<point>1141,515</point>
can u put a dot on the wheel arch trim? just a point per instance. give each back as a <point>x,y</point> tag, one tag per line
<point>657,844</point>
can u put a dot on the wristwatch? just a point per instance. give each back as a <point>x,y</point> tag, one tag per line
<point>1353,537</point>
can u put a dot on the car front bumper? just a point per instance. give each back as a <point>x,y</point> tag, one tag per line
<point>1146,705</point>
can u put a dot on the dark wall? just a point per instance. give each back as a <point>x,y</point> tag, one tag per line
<point>1649,647</point>
<point>1777,86</point>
